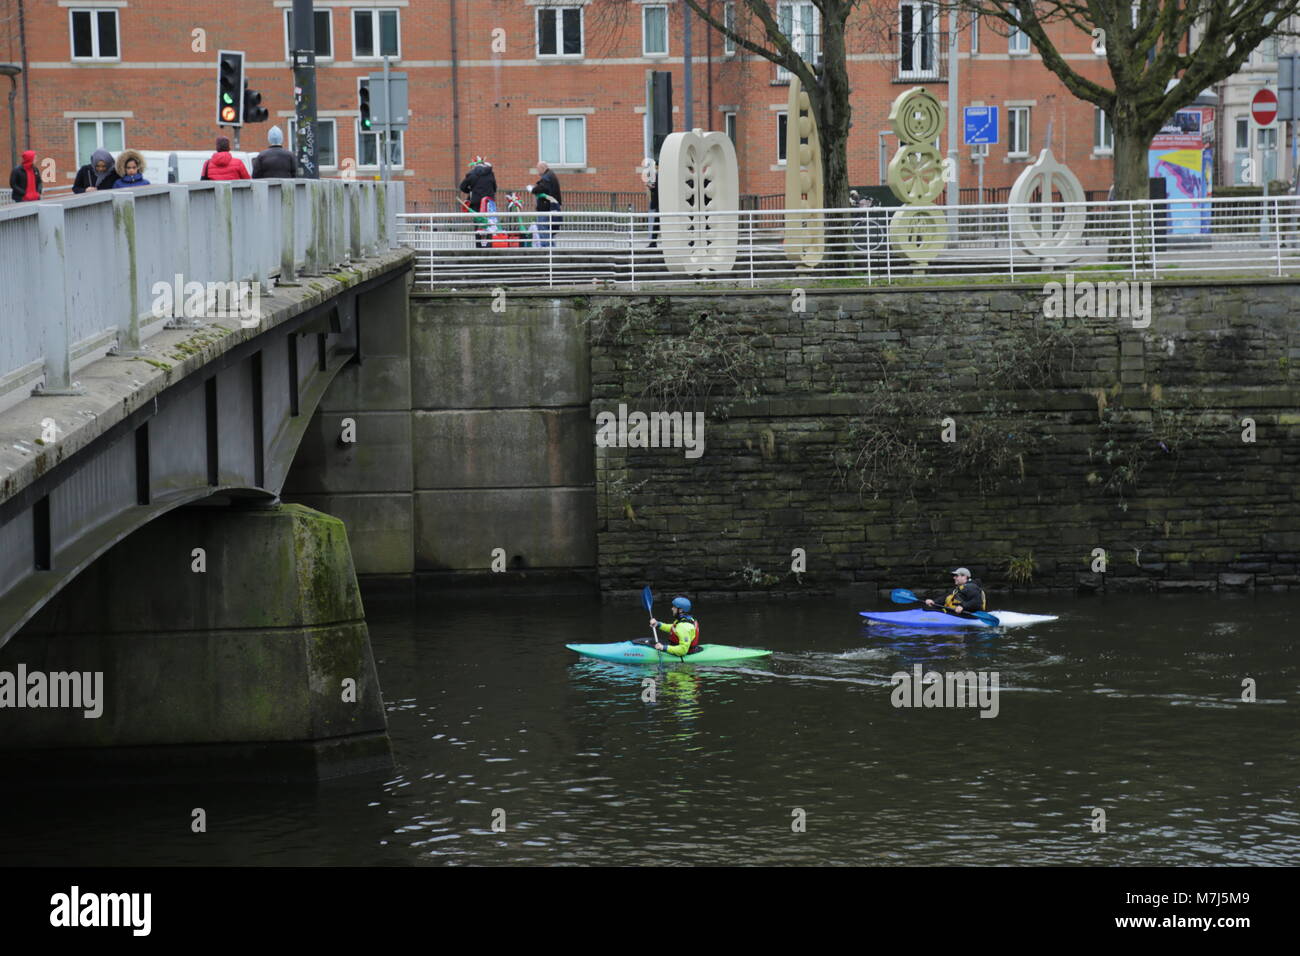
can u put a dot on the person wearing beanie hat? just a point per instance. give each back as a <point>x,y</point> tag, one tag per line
<point>25,180</point>
<point>275,162</point>
<point>221,165</point>
<point>966,594</point>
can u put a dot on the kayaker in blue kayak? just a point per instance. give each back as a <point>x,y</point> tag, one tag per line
<point>966,594</point>
<point>683,632</point>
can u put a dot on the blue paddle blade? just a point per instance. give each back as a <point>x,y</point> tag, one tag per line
<point>902,596</point>
<point>646,598</point>
<point>987,618</point>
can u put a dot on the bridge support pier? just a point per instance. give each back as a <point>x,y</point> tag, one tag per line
<point>231,643</point>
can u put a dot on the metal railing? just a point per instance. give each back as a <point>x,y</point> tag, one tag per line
<point>82,270</point>
<point>747,248</point>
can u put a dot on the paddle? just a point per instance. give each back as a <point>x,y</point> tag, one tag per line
<point>648,600</point>
<point>903,596</point>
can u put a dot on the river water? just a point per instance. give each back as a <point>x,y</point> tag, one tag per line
<point>1127,705</point>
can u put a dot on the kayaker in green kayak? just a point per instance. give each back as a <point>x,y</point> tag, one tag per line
<point>966,594</point>
<point>683,632</point>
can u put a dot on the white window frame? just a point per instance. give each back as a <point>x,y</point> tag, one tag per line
<point>797,34</point>
<point>291,140</point>
<point>564,118</point>
<point>1103,133</point>
<point>918,8</point>
<point>329,18</point>
<point>1266,138</point>
<point>645,31</point>
<point>1014,130</point>
<point>559,32</point>
<point>1018,40</point>
<point>781,136</point>
<point>99,135</point>
<point>374,26</point>
<point>975,35</point>
<point>1242,132</point>
<point>94,35</point>
<point>729,21</point>
<point>731,126</point>
<point>979,149</point>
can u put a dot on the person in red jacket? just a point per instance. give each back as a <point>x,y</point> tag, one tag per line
<point>221,165</point>
<point>25,180</point>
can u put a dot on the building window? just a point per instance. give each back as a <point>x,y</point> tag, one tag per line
<point>1243,134</point>
<point>367,25</point>
<point>562,140</point>
<point>1266,138</point>
<point>94,34</point>
<point>654,31</point>
<point>1018,131</point>
<point>1103,134</point>
<point>729,124</point>
<point>917,39</point>
<point>559,31</point>
<point>975,34</point>
<point>979,149</point>
<point>324,35</point>
<point>326,140</point>
<point>729,21</point>
<point>1018,41</point>
<point>781,119</point>
<point>798,21</point>
<point>98,134</point>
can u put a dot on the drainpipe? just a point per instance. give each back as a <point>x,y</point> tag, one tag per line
<point>708,59</point>
<point>455,100</point>
<point>27,106</point>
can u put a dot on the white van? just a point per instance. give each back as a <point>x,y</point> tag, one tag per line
<point>189,164</point>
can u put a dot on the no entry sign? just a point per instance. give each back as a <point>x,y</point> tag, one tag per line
<point>1263,108</point>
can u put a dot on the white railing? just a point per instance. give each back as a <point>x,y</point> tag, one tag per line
<point>81,270</point>
<point>1249,236</point>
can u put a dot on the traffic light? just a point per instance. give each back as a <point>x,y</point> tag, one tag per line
<point>254,112</point>
<point>363,95</point>
<point>230,84</point>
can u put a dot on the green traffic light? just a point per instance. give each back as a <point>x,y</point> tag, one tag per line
<point>225,97</point>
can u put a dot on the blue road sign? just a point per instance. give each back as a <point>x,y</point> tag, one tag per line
<point>980,125</point>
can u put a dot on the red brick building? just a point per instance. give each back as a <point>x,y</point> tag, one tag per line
<point>515,80</point>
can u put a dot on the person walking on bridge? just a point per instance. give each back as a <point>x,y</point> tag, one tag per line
<point>25,180</point>
<point>547,193</point>
<point>99,173</point>
<point>130,170</point>
<point>221,165</point>
<point>275,162</point>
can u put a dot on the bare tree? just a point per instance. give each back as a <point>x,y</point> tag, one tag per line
<point>1146,44</point>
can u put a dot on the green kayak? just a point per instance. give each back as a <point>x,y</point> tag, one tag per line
<point>627,652</point>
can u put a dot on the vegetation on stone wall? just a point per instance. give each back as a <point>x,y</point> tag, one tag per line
<point>680,365</point>
<point>1131,440</point>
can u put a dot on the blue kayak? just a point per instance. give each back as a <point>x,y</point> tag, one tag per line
<point>923,617</point>
<point>626,652</point>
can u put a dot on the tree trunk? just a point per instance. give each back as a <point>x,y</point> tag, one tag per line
<point>834,115</point>
<point>1132,182</point>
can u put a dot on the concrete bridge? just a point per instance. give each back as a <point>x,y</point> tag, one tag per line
<point>162,352</point>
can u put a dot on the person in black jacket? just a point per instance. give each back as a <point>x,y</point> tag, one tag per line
<point>547,192</point>
<point>99,173</point>
<point>966,594</point>
<point>275,162</point>
<point>25,180</point>
<point>481,183</point>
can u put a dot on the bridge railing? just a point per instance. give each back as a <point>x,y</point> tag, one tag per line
<point>86,274</point>
<point>1138,240</point>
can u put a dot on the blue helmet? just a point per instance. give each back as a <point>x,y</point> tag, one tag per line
<point>682,604</point>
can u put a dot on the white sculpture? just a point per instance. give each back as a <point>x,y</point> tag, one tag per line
<point>805,231</point>
<point>699,202</point>
<point>1051,231</point>
<point>919,230</point>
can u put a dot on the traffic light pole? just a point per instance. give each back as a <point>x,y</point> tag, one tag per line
<point>304,87</point>
<point>388,127</point>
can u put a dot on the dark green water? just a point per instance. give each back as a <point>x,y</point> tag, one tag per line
<point>1131,705</point>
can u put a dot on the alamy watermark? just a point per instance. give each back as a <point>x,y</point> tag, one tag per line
<point>74,689</point>
<point>955,689</point>
<point>1122,299</point>
<point>652,430</point>
<point>179,299</point>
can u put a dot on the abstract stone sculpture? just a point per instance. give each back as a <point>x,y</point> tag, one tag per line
<point>699,200</point>
<point>915,175</point>
<point>1051,231</point>
<point>805,230</point>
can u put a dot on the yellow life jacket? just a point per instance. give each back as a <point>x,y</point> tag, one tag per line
<point>686,630</point>
<point>951,601</point>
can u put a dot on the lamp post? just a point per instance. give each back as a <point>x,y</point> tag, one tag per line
<point>12,70</point>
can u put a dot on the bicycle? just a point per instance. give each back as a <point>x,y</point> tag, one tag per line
<point>870,230</point>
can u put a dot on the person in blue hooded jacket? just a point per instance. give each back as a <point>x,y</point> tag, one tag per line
<point>130,170</point>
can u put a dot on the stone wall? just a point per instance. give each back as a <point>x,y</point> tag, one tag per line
<point>1071,435</point>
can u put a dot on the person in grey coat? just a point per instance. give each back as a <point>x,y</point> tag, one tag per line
<point>275,162</point>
